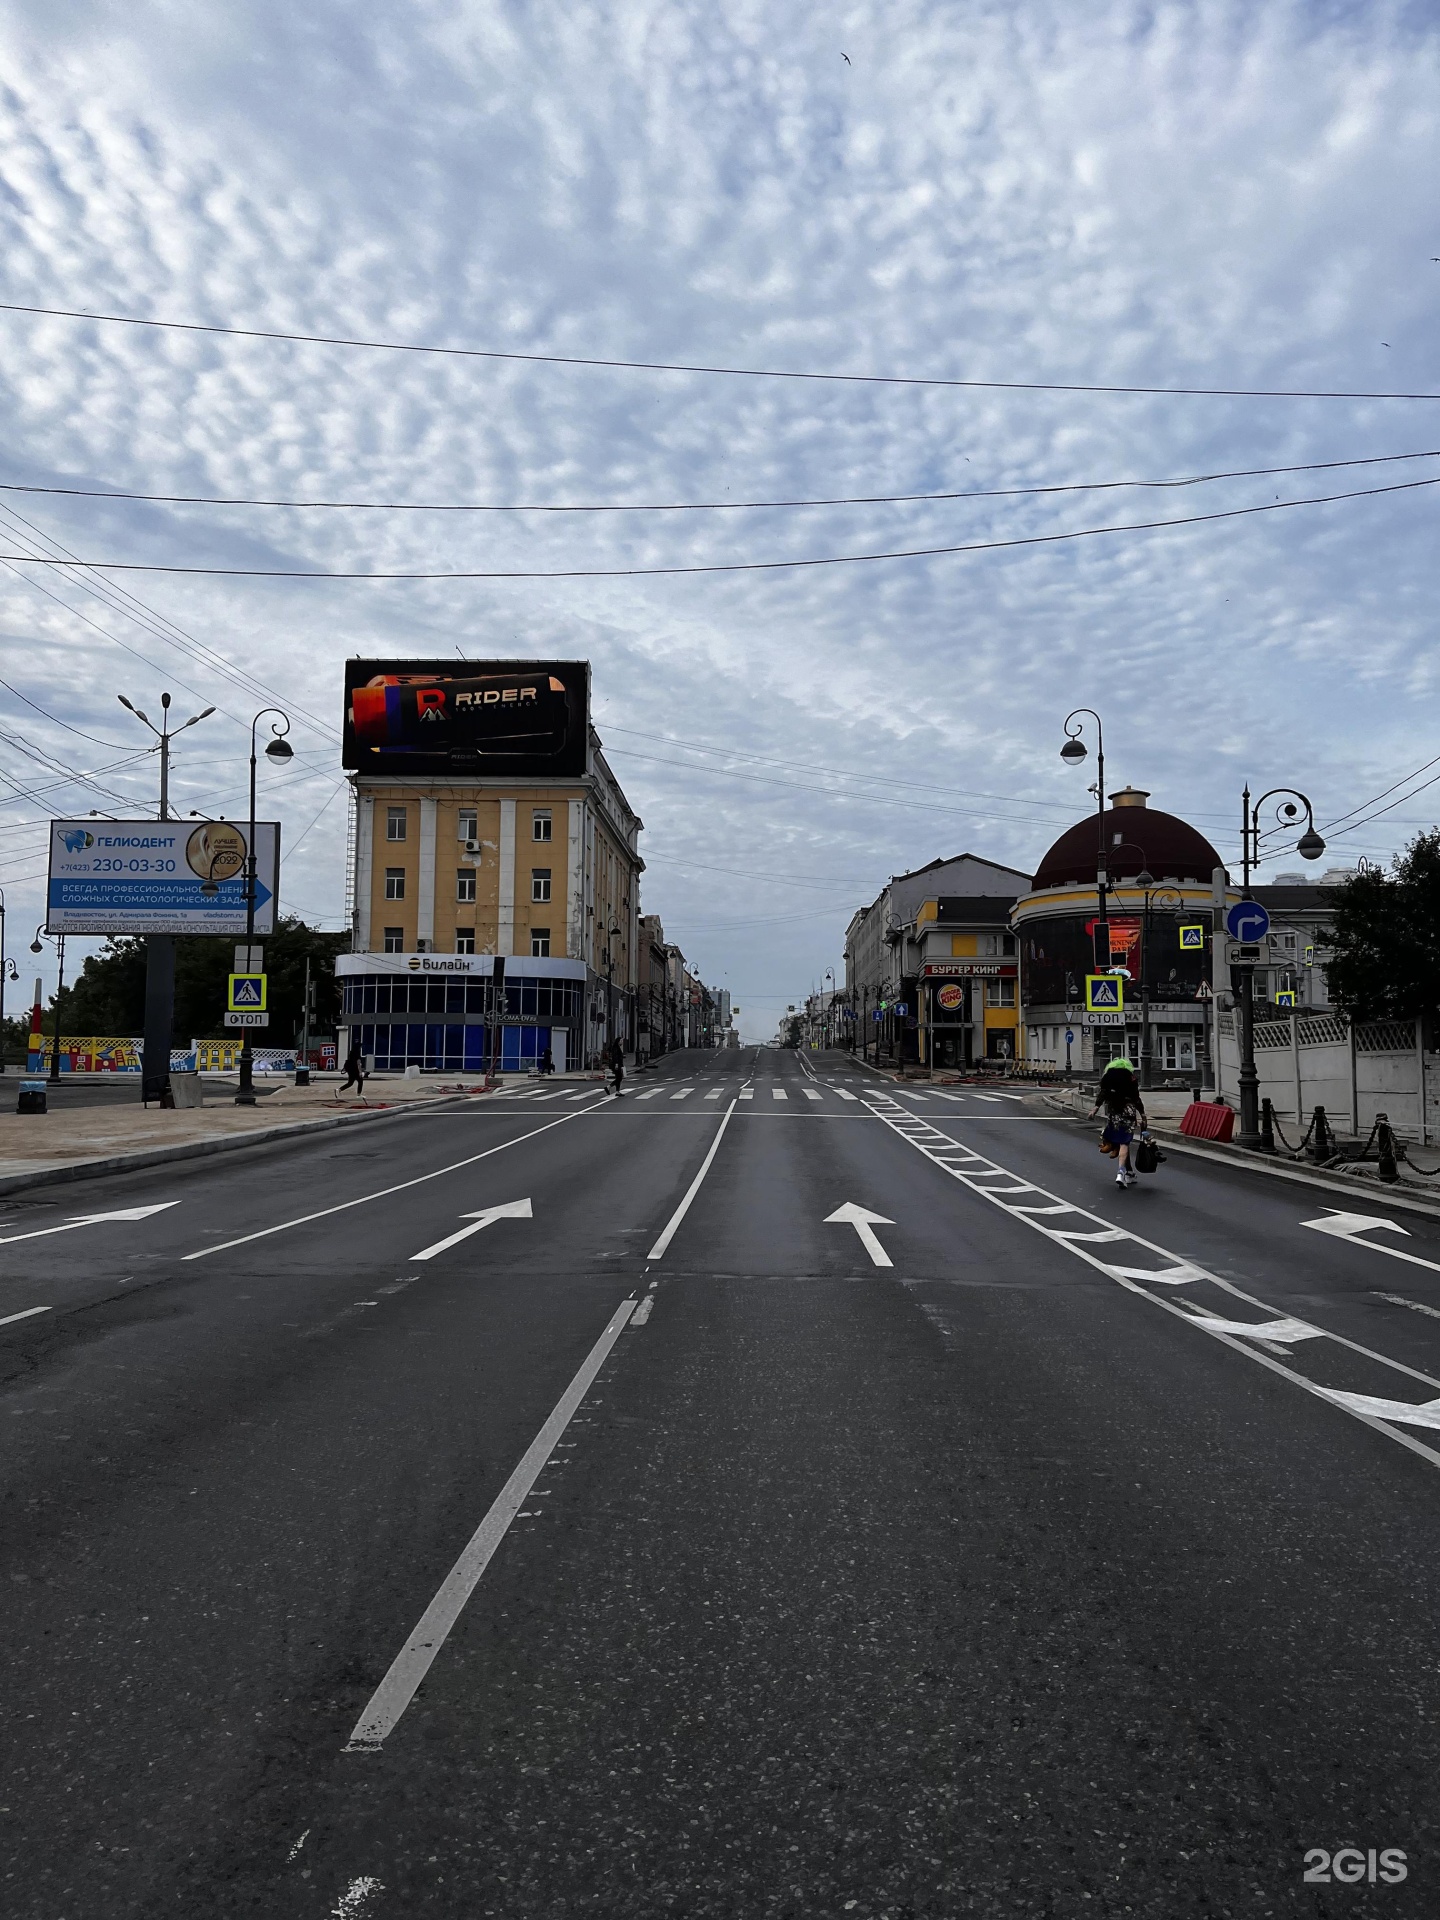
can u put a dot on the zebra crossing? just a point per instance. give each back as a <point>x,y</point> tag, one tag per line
<point>781,1098</point>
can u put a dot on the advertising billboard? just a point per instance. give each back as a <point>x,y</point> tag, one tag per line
<point>523,719</point>
<point>159,876</point>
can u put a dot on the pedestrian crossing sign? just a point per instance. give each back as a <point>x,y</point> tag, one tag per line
<point>1192,939</point>
<point>1104,993</point>
<point>1285,998</point>
<point>247,993</point>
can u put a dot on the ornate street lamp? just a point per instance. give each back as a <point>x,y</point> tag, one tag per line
<point>1310,847</point>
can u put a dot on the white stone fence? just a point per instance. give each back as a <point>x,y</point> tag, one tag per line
<point>1352,1069</point>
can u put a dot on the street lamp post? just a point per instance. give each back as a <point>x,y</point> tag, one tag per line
<point>1072,753</point>
<point>1309,847</point>
<point>3,966</point>
<point>35,947</point>
<point>159,947</point>
<point>610,940</point>
<point>278,748</point>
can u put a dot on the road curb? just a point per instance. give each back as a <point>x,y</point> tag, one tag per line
<point>202,1149</point>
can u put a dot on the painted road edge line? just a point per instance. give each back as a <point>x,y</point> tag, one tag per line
<point>304,1219</point>
<point>413,1662</point>
<point>658,1250</point>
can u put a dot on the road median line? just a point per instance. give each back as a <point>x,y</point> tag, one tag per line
<point>657,1252</point>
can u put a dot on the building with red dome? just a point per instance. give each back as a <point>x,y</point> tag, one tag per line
<point>1159,875</point>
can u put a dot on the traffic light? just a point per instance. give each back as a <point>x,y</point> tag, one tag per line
<point>1102,945</point>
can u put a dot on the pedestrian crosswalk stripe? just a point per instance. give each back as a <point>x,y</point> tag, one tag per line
<point>584,1095</point>
<point>778,1093</point>
<point>811,1094</point>
<point>683,1094</point>
<point>843,1094</point>
<point>651,1094</point>
<point>747,1093</point>
<point>714,1094</point>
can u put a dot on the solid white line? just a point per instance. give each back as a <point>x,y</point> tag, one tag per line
<point>22,1316</point>
<point>419,1181</point>
<point>413,1662</point>
<point>657,1251</point>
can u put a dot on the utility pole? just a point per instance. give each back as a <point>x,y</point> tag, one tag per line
<point>159,947</point>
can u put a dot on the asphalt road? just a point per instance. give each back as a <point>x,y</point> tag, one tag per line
<point>666,1547</point>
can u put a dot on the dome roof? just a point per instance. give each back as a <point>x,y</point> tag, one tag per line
<point>1136,836</point>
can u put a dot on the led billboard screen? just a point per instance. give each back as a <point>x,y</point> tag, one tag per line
<point>525,719</point>
<point>159,876</point>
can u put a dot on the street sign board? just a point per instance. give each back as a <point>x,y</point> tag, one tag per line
<point>1104,992</point>
<point>247,993</point>
<point>1204,991</point>
<point>1243,953</point>
<point>1192,939</point>
<point>1247,920</point>
<point>1069,1036</point>
<point>149,876</point>
<point>247,1019</point>
<point>1285,998</point>
<point>1092,1020</point>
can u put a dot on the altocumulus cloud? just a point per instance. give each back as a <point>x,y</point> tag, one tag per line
<point>1192,195</point>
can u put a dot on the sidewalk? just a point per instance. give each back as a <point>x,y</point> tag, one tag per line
<point>40,1149</point>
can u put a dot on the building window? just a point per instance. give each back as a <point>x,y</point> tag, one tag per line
<point>999,993</point>
<point>539,943</point>
<point>464,939</point>
<point>540,826</point>
<point>394,939</point>
<point>394,883</point>
<point>465,884</point>
<point>468,825</point>
<point>395,823</point>
<point>540,883</point>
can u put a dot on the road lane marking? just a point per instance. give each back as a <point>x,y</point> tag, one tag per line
<point>643,1312</point>
<point>414,1660</point>
<point>977,1173</point>
<point>683,1094</point>
<point>747,1093</point>
<point>584,1093</point>
<point>22,1316</point>
<point>864,1223</point>
<point>510,1210</point>
<point>1350,1226</point>
<point>778,1093</point>
<point>90,1220</point>
<point>843,1094</point>
<point>811,1094</point>
<point>382,1193</point>
<point>658,1250</point>
<point>714,1094</point>
<point>1415,1306</point>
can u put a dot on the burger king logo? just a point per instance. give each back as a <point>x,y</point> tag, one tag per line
<point>951,997</point>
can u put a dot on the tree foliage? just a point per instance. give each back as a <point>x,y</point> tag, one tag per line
<point>109,995</point>
<point>1385,937</point>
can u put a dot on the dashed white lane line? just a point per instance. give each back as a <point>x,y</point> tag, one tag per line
<point>1150,1264</point>
<point>29,1311</point>
<point>643,1312</point>
<point>413,1662</point>
<point>383,1193</point>
<point>658,1250</point>
<point>356,1897</point>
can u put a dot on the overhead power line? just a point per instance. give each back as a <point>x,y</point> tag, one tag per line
<point>709,506</point>
<point>724,372</point>
<point>722,566</point>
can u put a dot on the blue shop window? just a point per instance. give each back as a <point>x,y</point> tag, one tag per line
<point>522,1046</point>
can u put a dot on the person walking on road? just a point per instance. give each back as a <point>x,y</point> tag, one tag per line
<point>354,1069</point>
<point>1119,1099</point>
<point>616,1073</point>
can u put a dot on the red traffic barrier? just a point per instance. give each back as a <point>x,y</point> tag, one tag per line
<point>1205,1120</point>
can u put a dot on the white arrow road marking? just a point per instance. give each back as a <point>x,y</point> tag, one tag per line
<point>510,1210</point>
<point>1346,1225</point>
<point>91,1220</point>
<point>1350,1226</point>
<point>413,1662</point>
<point>864,1224</point>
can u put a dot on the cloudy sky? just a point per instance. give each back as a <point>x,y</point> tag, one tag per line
<point>1201,195</point>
